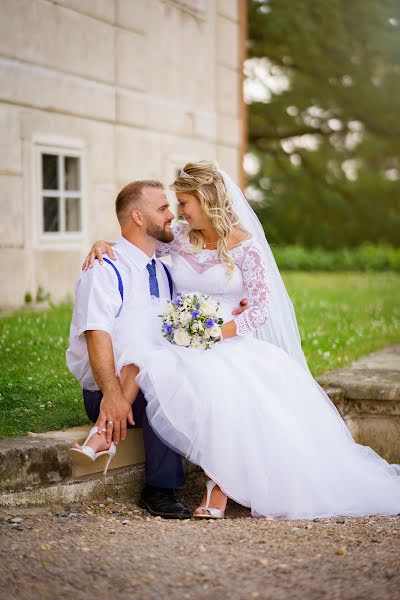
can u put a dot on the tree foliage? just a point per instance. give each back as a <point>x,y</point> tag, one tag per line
<point>328,139</point>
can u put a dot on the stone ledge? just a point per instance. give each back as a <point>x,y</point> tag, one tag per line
<point>130,451</point>
<point>373,377</point>
<point>37,470</point>
<point>335,395</point>
<point>370,403</point>
<point>359,384</point>
<point>32,462</point>
<point>123,484</point>
<point>43,459</point>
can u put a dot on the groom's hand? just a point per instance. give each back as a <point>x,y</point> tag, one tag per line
<point>244,305</point>
<point>115,411</point>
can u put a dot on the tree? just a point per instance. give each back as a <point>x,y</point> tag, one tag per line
<point>324,88</point>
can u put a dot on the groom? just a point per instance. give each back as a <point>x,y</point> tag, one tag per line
<point>101,294</point>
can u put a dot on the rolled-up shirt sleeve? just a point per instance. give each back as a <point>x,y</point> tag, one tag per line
<point>97,302</point>
<point>97,299</point>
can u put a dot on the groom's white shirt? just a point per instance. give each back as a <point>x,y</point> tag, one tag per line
<point>98,301</point>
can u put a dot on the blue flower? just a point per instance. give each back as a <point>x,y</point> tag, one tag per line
<point>168,328</point>
<point>195,314</point>
<point>209,323</point>
<point>177,302</point>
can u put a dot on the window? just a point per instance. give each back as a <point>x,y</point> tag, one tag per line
<point>61,192</point>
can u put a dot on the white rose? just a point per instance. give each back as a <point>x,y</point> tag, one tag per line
<point>215,331</point>
<point>169,309</point>
<point>185,318</point>
<point>207,307</point>
<point>197,342</point>
<point>181,337</point>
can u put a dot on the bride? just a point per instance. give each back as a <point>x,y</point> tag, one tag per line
<point>248,410</point>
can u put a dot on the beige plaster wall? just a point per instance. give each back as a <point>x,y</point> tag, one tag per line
<point>138,86</point>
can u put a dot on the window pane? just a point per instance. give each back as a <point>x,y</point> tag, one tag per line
<point>72,179</point>
<point>50,171</point>
<point>51,214</point>
<point>72,214</point>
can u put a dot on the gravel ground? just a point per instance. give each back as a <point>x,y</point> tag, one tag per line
<point>117,551</point>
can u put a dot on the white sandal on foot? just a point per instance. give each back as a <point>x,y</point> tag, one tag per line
<point>85,453</point>
<point>214,513</point>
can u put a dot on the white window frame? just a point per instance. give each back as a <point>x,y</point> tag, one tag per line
<point>60,148</point>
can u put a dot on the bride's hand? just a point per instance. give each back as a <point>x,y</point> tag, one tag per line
<point>96,251</point>
<point>244,305</point>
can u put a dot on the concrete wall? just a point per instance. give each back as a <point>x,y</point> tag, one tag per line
<point>138,87</point>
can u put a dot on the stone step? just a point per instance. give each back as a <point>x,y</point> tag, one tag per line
<point>119,484</point>
<point>370,400</point>
<point>129,452</point>
<point>37,470</point>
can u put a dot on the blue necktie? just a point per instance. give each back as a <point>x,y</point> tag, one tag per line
<point>153,283</point>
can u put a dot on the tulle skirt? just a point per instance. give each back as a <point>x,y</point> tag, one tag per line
<point>262,428</point>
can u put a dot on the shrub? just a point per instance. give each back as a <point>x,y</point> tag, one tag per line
<point>41,295</point>
<point>367,257</point>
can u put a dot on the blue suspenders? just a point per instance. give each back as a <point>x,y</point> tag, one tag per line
<point>120,284</point>
<point>171,285</point>
<point>121,287</point>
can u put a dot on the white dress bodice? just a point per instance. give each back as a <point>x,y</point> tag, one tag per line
<point>203,272</point>
<point>228,291</point>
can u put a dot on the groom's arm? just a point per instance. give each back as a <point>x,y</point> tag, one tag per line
<point>97,303</point>
<point>115,409</point>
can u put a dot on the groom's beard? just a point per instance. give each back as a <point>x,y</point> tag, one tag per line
<point>159,233</point>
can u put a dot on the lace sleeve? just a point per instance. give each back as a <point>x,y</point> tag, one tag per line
<point>166,249</point>
<point>257,291</point>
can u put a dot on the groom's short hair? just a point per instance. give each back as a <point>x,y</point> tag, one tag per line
<point>130,197</point>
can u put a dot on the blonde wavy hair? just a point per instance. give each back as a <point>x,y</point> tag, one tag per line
<point>203,180</point>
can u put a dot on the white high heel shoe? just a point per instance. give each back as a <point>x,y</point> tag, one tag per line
<point>85,453</point>
<point>214,513</point>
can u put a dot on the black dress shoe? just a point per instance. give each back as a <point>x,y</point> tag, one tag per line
<point>163,502</point>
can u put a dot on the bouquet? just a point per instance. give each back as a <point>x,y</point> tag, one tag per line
<point>192,320</point>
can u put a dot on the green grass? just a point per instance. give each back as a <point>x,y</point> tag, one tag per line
<point>341,317</point>
<point>37,392</point>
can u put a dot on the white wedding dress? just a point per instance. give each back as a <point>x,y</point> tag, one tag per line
<point>245,411</point>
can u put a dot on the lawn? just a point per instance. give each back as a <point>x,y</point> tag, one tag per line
<point>341,317</point>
